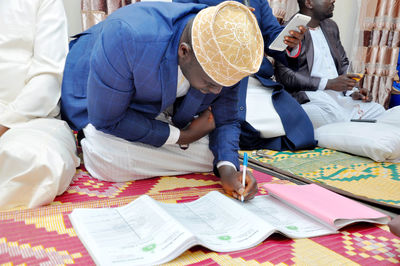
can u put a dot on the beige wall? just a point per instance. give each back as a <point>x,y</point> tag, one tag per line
<point>73,11</point>
<point>344,14</point>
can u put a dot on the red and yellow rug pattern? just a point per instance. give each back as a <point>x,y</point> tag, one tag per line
<point>44,236</point>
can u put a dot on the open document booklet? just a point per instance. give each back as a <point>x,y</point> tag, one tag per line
<point>149,232</point>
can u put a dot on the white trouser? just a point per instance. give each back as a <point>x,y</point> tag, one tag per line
<point>114,159</point>
<point>37,162</point>
<point>326,107</point>
<point>261,113</point>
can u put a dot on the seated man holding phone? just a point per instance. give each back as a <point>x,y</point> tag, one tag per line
<point>270,117</point>
<point>318,79</point>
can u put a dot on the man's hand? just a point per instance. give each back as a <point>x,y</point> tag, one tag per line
<point>231,181</point>
<point>295,38</point>
<point>394,226</point>
<point>198,128</point>
<point>344,82</point>
<point>3,130</point>
<point>362,95</point>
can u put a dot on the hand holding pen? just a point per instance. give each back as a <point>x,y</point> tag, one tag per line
<point>238,183</point>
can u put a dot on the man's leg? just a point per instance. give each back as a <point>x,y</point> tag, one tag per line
<point>37,162</point>
<point>323,109</point>
<point>111,158</point>
<point>369,110</point>
<point>357,109</point>
<point>261,113</point>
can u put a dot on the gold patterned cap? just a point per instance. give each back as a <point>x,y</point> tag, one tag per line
<point>227,42</point>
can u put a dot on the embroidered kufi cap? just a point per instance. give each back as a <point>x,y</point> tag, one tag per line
<point>227,42</point>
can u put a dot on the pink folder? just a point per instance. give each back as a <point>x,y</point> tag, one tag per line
<point>329,207</point>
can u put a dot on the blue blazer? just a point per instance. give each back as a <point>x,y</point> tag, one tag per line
<point>397,84</point>
<point>298,127</point>
<point>121,73</point>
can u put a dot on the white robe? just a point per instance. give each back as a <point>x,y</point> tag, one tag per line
<point>38,153</point>
<point>328,106</point>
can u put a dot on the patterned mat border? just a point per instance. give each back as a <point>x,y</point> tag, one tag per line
<point>332,188</point>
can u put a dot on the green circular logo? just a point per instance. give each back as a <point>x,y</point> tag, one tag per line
<point>149,248</point>
<point>224,238</point>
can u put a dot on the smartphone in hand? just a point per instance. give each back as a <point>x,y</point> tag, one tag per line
<point>294,23</point>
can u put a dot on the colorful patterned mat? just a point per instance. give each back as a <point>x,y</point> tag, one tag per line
<point>347,174</point>
<point>44,236</point>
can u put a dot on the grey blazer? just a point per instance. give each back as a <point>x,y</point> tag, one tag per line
<point>297,76</point>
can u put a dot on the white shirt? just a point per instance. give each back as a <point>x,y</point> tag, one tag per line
<point>33,48</point>
<point>323,65</point>
<point>182,88</point>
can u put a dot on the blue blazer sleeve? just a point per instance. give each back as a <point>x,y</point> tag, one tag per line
<point>111,88</point>
<point>224,140</point>
<point>270,28</point>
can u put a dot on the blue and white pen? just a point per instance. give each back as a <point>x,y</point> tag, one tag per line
<point>245,159</point>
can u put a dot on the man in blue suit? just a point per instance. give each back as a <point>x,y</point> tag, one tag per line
<point>291,129</point>
<point>149,84</point>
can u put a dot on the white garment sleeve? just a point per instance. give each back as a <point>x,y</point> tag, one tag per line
<point>350,92</point>
<point>221,163</point>
<point>174,134</point>
<point>322,84</point>
<point>41,93</point>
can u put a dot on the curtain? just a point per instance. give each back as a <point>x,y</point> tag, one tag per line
<point>376,46</point>
<point>94,11</point>
<point>283,10</point>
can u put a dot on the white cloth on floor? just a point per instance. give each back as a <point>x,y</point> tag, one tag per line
<point>37,162</point>
<point>114,159</point>
<point>391,116</point>
<point>378,141</point>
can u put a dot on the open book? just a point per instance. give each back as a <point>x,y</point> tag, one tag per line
<point>149,232</point>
